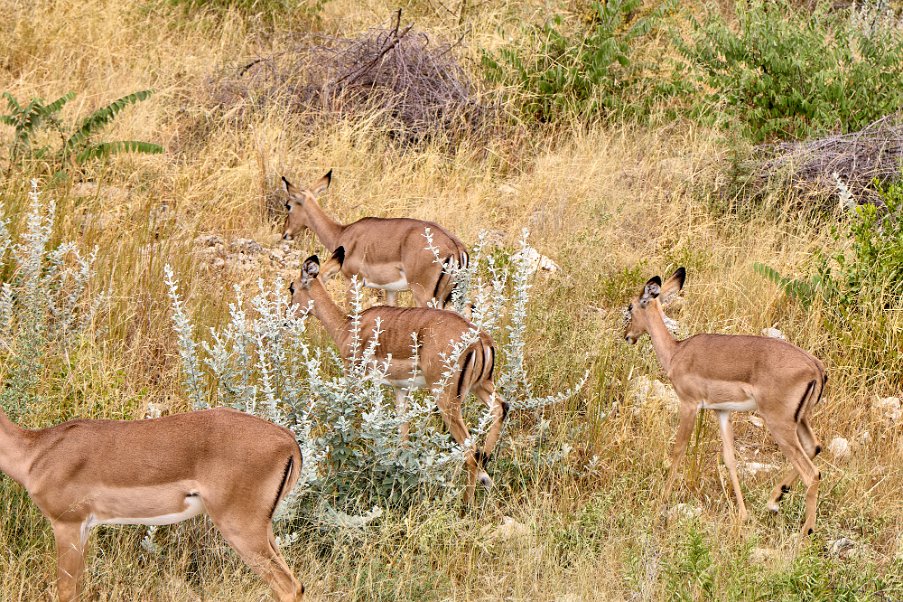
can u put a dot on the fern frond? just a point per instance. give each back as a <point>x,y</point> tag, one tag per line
<point>12,103</point>
<point>106,149</point>
<point>101,117</point>
<point>57,104</point>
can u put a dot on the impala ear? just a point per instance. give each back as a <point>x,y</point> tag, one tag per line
<point>673,285</point>
<point>651,290</point>
<point>290,189</point>
<point>309,270</point>
<point>322,184</point>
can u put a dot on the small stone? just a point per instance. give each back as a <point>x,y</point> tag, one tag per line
<point>535,260</point>
<point>763,555</point>
<point>773,333</point>
<point>246,246</point>
<point>683,510</point>
<point>208,240</point>
<point>755,421</point>
<point>642,390</point>
<point>890,407</point>
<point>753,468</point>
<point>839,448</point>
<point>842,547</point>
<point>507,189</point>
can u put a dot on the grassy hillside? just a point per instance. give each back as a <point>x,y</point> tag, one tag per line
<point>613,195</point>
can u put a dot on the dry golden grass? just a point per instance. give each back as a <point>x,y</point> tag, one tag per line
<point>612,205</point>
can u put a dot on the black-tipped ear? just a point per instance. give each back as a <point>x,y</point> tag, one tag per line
<point>322,184</point>
<point>672,285</point>
<point>679,276</point>
<point>652,289</point>
<point>309,270</point>
<point>289,188</point>
<point>312,259</point>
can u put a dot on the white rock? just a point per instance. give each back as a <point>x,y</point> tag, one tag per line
<point>839,447</point>
<point>773,333</point>
<point>684,511</point>
<point>842,547</point>
<point>208,240</point>
<point>754,468</point>
<point>763,555</point>
<point>246,246</point>
<point>643,390</point>
<point>890,407</point>
<point>507,189</point>
<point>756,421</point>
<point>535,260</point>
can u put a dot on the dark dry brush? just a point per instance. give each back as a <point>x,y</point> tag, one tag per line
<point>860,159</point>
<point>414,87</point>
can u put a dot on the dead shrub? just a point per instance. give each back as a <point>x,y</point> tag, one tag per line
<point>413,87</point>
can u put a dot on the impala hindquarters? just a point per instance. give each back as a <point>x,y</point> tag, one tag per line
<point>736,373</point>
<point>391,254</point>
<point>413,342</point>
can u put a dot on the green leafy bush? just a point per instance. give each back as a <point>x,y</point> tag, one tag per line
<point>555,73</point>
<point>859,287</point>
<point>786,73</point>
<point>78,146</point>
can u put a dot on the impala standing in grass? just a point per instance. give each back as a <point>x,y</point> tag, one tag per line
<point>230,465</point>
<point>736,373</point>
<point>387,253</point>
<point>412,342</point>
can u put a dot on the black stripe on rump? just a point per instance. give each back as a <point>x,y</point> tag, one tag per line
<point>285,475</point>
<point>799,408</point>
<point>464,371</point>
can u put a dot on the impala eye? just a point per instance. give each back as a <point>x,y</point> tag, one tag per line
<point>291,288</point>
<point>288,206</point>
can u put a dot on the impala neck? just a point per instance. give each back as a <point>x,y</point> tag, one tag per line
<point>662,341</point>
<point>13,449</point>
<point>327,312</point>
<point>327,229</point>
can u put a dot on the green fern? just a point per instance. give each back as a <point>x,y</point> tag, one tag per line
<point>78,147</point>
<point>106,149</point>
<point>100,118</point>
<point>801,290</point>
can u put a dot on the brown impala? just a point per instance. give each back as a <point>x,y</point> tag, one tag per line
<point>737,373</point>
<point>434,332</point>
<point>231,465</point>
<point>387,253</point>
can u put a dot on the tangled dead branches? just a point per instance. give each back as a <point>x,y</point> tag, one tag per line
<point>860,159</point>
<point>415,88</point>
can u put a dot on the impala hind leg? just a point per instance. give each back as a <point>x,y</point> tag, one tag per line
<point>450,408</point>
<point>812,447</point>
<point>253,539</point>
<point>727,440</point>
<point>687,414</point>
<point>401,407</point>
<point>786,438</point>
<point>70,559</point>
<point>499,409</point>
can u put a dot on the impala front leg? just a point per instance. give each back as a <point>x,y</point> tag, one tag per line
<point>727,439</point>
<point>684,430</point>
<point>70,556</point>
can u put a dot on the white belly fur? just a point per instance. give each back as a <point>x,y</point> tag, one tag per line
<point>398,285</point>
<point>748,405</point>
<point>194,506</point>
<point>417,382</point>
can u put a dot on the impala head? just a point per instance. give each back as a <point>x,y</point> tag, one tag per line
<point>300,288</point>
<point>298,201</point>
<point>647,304</point>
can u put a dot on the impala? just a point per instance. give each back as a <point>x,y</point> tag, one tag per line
<point>231,465</point>
<point>387,253</point>
<point>736,373</point>
<point>412,344</point>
